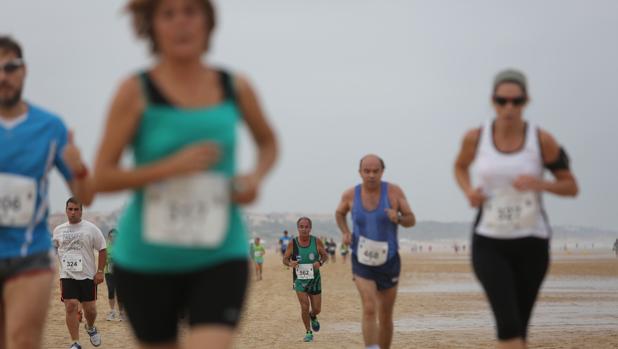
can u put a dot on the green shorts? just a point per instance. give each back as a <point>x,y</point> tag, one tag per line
<point>312,287</point>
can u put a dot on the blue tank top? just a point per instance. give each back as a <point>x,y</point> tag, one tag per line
<point>374,224</point>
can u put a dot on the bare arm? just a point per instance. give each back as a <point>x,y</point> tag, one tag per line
<point>81,187</point>
<point>98,277</point>
<point>102,259</point>
<point>404,213</point>
<point>263,136</point>
<point>342,211</point>
<point>323,255</point>
<point>564,183</point>
<point>462,166</point>
<point>464,159</point>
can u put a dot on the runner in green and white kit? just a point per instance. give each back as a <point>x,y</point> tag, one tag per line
<point>306,254</point>
<point>257,255</point>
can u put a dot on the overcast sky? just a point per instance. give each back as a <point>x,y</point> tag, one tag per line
<point>342,78</point>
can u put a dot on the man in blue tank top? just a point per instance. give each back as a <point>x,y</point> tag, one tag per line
<point>377,208</point>
<point>31,145</point>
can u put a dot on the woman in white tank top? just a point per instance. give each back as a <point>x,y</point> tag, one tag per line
<point>510,244</point>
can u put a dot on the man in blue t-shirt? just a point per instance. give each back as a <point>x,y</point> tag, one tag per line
<point>31,141</point>
<point>284,241</point>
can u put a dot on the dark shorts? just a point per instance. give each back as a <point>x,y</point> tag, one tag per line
<point>13,267</point>
<point>155,302</point>
<point>386,276</point>
<point>82,290</point>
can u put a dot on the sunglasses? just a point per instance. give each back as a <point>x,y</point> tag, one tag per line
<point>517,101</point>
<point>12,66</point>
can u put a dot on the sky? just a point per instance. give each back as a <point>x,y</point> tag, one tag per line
<point>342,78</point>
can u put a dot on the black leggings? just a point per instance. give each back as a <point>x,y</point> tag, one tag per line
<point>111,285</point>
<point>511,272</point>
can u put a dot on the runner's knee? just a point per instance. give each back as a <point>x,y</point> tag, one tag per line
<point>304,305</point>
<point>316,309</point>
<point>71,305</point>
<point>22,339</point>
<point>90,308</point>
<point>369,309</point>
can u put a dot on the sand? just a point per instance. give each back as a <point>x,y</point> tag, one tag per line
<point>439,305</point>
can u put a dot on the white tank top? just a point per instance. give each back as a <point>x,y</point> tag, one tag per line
<point>507,213</point>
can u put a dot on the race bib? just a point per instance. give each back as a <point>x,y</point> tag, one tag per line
<point>304,271</point>
<point>188,211</point>
<point>372,253</point>
<point>257,254</point>
<point>17,200</point>
<point>72,262</point>
<point>508,210</point>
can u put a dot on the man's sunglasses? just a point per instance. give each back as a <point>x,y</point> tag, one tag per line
<point>12,66</point>
<point>517,101</point>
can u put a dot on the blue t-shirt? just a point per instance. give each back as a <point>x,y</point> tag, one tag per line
<point>285,240</point>
<point>29,149</point>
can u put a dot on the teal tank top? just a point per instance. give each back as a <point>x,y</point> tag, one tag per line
<point>164,130</point>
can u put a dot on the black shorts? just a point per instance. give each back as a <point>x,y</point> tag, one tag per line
<point>155,302</point>
<point>14,267</point>
<point>82,290</point>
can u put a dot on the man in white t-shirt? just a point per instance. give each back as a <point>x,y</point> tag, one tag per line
<point>75,242</point>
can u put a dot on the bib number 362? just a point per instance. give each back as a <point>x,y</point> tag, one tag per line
<point>17,200</point>
<point>304,271</point>
<point>188,211</point>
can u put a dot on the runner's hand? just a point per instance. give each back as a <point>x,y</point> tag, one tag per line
<point>195,158</point>
<point>245,189</point>
<point>392,214</point>
<point>72,156</point>
<point>293,264</point>
<point>347,238</point>
<point>528,183</point>
<point>98,278</point>
<point>316,266</point>
<point>475,197</point>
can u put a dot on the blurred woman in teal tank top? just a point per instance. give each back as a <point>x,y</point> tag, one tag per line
<point>182,246</point>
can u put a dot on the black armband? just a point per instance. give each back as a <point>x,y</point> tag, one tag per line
<point>562,163</point>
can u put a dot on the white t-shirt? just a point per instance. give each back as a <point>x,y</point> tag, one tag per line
<point>75,244</point>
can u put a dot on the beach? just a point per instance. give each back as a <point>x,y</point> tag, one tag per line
<point>439,305</point>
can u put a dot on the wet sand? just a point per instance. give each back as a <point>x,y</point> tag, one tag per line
<point>439,305</point>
